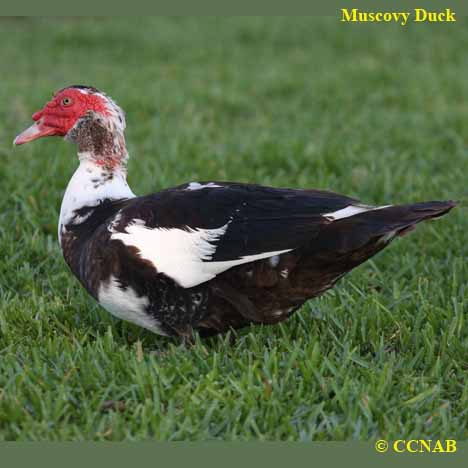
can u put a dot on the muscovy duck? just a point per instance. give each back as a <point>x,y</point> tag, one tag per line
<point>206,256</point>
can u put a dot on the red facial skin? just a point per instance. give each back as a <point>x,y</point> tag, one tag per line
<point>60,114</point>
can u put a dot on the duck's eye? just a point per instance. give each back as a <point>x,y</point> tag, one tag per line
<point>67,101</point>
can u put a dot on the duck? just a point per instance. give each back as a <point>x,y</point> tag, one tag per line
<point>204,257</point>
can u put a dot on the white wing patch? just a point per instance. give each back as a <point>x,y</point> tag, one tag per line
<point>352,210</point>
<point>125,304</point>
<point>183,255</point>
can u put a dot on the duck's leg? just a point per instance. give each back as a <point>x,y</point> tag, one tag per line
<point>186,334</point>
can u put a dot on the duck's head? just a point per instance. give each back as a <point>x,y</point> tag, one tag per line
<point>71,108</point>
<point>87,117</point>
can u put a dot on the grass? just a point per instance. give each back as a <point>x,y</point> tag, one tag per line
<point>378,113</point>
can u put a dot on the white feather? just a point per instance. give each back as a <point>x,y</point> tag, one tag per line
<point>125,304</point>
<point>183,255</point>
<point>352,210</point>
<point>198,186</point>
<point>83,190</point>
<point>274,261</point>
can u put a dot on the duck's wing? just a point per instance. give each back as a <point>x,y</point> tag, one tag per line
<point>196,231</point>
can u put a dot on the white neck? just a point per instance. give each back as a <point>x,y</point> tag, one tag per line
<point>91,183</point>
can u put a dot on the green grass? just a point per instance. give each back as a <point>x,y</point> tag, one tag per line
<point>379,113</point>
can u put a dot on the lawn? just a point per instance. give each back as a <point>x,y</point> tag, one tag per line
<point>375,112</point>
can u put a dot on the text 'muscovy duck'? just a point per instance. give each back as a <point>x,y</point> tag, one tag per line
<point>205,256</point>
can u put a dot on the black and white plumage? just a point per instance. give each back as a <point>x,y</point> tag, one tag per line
<point>206,256</point>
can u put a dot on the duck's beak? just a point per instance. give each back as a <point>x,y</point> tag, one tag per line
<point>35,131</point>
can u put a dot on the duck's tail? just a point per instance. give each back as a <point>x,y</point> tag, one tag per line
<point>397,220</point>
<point>403,217</point>
<point>381,225</point>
